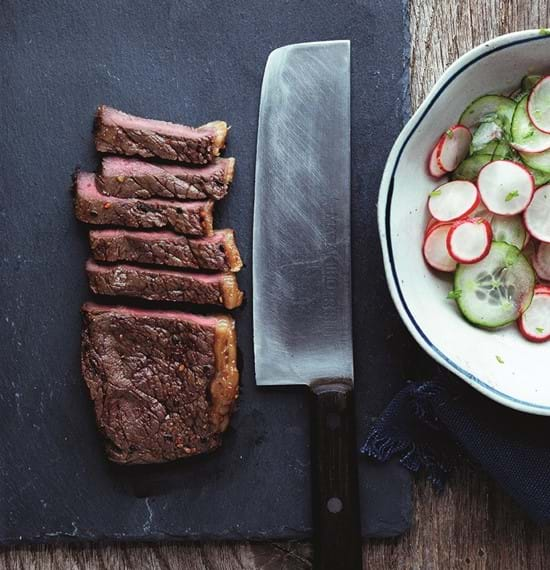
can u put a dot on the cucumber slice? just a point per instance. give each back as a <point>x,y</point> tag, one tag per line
<point>497,290</point>
<point>519,95</point>
<point>540,178</point>
<point>503,152</point>
<point>509,229</point>
<point>484,107</point>
<point>525,136</point>
<point>486,134</point>
<point>469,168</point>
<point>537,160</point>
<point>488,148</point>
<point>529,81</point>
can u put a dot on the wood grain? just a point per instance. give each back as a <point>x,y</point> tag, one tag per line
<point>443,30</point>
<point>472,524</point>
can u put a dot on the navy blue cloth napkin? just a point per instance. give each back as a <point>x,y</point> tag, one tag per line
<point>429,425</point>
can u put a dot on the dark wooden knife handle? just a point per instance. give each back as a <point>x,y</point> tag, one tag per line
<point>336,520</point>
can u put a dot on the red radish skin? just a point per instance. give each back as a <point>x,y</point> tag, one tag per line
<point>433,168</point>
<point>454,200</point>
<point>528,325</point>
<point>541,261</point>
<point>537,215</point>
<point>541,120</point>
<point>482,232</point>
<point>434,248</point>
<point>529,251</point>
<point>516,179</point>
<point>453,147</point>
<point>482,212</point>
<point>539,270</point>
<point>430,224</point>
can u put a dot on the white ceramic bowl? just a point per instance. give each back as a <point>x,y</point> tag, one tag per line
<point>522,380</point>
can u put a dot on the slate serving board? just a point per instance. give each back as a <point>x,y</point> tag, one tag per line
<point>189,61</point>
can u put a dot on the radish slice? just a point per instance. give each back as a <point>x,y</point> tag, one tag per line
<point>453,147</point>
<point>430,224</point>
<point>435,248</point>
<point>538,105</point>
<point>510,229</point>
<point>433,167</point>
<point>541,261</point>
<point>469,241</point>
<point>537,215</point>
<point>482,212</point>
<point>453,200</point>
<point>506,187</point>
<point>529,251</point>
<point>534,324</point>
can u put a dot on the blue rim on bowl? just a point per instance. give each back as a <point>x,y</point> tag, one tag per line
<point>384,216</point>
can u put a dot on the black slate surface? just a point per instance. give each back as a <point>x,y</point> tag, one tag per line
<point>188,61</point>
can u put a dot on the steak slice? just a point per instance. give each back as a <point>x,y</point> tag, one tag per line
<point>92,207</point>
<point>120,133</point>
<point>133,178</point>
<point>164,284</point>
<point>163,383</point>
<point>217,252</point>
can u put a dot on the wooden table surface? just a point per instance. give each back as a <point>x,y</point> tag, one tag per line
<point>472,524</point>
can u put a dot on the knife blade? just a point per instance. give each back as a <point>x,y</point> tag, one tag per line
<point>302,271</point>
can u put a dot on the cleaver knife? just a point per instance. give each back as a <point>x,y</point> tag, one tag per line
<point>302,272</point>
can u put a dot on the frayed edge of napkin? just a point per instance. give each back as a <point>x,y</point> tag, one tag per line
<point>409,429</point>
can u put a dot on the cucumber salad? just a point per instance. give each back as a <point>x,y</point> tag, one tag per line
<point>490,218</point>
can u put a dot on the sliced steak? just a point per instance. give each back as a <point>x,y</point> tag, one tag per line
<point>120,133</point>
<point>92,207</point>
<point>164,284</point>
<point>217,252</point>
<point>133,178</point>
<point>163,383</point>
